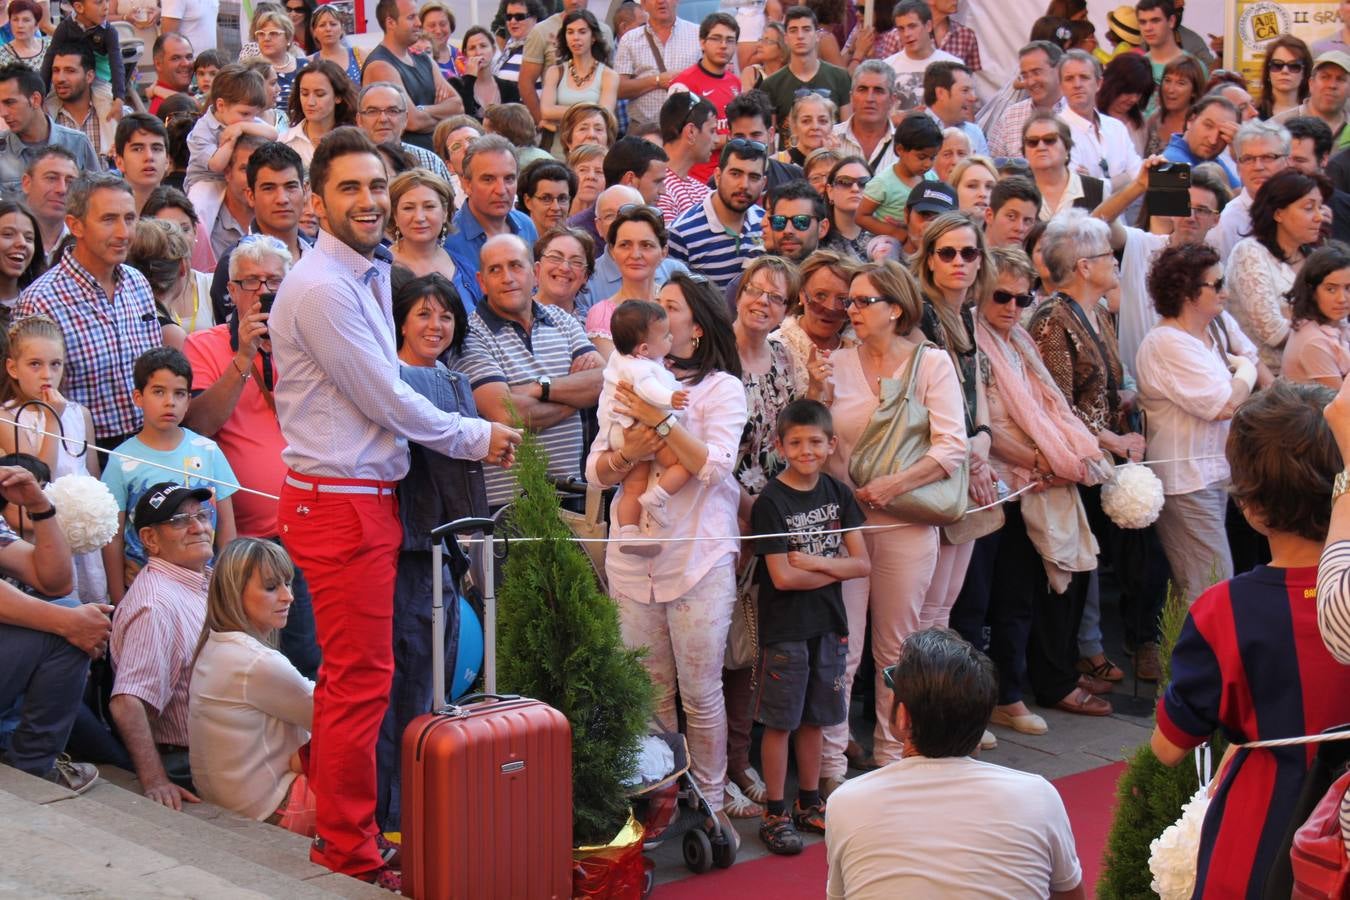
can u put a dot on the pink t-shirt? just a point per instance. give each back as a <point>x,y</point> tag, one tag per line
<point>250,438</point>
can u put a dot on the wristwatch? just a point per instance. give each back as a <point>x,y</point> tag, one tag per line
<point>663,427</point>
<point>1341,486</point>
<point>545,383</point>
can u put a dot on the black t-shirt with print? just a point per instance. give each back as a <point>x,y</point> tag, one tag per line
<point>801,615</point>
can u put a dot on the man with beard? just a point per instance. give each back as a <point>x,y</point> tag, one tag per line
<point>173,68</point>
<point>490,173</point>
<point>71,102</point>
<point>347,417</point>
<point>797,221</point>
<point>1210,125</point>
<point>717,236</point>
<point>712,79</point>
<point>31,130</point>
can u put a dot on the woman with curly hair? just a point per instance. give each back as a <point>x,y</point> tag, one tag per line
<point>581,74</point>
<point>1194,370</point>
<point>1319,345</point>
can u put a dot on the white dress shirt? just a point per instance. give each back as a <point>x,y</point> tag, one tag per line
<point>1102,146</point>
<point>1234,223</point>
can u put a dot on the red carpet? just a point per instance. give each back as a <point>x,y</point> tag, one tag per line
<point>1090,798</point>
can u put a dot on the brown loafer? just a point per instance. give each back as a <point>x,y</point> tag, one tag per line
<point>1095,685</point>
<point>1081,703</point>
<point>1147,665</point>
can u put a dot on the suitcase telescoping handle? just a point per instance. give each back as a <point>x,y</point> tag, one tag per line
<point>469,525</point>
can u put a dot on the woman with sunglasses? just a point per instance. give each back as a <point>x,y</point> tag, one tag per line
<point>1285,73</point>
<point>678,604</point>
<point>299,12</point>
<point>844,193</point>
<point>769,55</point>
<point>1195,368</point>
<point>1046,144</point>
<point>884,307</point>
<point>953,268</point>
<point>1074,332</point>
<point>1286,226</point>
<point>1041,449</point>
<point>330,42</point>
<point>637,241</point>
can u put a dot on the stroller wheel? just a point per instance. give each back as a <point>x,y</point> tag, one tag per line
<point>723,852</point>
<point>698,852</point>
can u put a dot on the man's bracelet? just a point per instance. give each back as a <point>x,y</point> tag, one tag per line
<point>48,513</point>
<point>244,374</point>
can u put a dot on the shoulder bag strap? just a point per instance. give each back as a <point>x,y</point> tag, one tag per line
<point>656,49</point>
<point>1096,339</point>
<point>913,375</point>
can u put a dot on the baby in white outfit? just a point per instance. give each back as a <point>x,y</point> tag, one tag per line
<point>641,334</point>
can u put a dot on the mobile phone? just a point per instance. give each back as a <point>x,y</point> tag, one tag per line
<point>1169,190</point>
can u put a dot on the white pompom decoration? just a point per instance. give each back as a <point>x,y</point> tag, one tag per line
<point>1134,498</point>
<point>85,510</point>
<point>1172,855</point>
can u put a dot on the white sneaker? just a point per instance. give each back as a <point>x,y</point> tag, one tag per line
<point>988,741</point>
<point>756,791</point>
<point>739,806</point>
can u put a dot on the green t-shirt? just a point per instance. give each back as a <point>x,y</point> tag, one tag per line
<point>891,193</point>
<point>782,86</point>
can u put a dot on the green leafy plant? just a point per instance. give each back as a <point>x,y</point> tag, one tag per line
<point>1149,795</point>
<point>559,642</point>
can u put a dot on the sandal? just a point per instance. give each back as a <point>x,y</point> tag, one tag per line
<point>754,787</point>
<point>1105,670</point>
<point>739,806</point>
<point>1081,703</point>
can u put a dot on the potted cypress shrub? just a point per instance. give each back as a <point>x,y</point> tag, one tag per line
<point>559,642</point>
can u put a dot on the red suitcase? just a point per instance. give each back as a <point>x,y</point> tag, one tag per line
<point>487,783</point>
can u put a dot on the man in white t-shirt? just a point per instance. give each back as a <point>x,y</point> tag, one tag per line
<point>193,19</point>
<point>1209,196</point>
<point>914,24</point>
<point>986,830</point>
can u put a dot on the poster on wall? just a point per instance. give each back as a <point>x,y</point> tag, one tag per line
<point>1252,24</point>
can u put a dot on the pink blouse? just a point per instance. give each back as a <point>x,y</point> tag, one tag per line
<point>854,403</point>
<point>597,318</point>
<point>1317,351</point>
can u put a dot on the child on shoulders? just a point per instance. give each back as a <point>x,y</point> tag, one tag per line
<point>236,102</point>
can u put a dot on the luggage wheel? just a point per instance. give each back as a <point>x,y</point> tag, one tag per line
<point>723,851</point>
<point>698,851</point>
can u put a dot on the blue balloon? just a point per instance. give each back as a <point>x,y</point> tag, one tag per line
<point>468,659</point>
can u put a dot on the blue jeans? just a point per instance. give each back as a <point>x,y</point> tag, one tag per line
<point>48,673</point>
<point>299,642</point>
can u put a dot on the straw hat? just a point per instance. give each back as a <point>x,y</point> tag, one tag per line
<point>1124,24</point>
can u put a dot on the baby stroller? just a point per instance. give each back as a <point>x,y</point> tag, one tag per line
<point>675,807</point>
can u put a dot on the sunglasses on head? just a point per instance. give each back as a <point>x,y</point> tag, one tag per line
<point>948,254</point>
<point>801,223</point>
<point>630,208</point>
<point>1003,297</point>
<point>1048,140</point>
<point>799,93</point>
<point>1280,65</point>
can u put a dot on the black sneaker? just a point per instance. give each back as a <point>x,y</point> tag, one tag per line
<point>77,776</point>
<point>780,835</point>
<point>809,818</point>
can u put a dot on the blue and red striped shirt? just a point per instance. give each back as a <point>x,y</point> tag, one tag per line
<point>1250,662</point>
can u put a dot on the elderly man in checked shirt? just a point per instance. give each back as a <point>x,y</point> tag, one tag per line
<point>347,417</point>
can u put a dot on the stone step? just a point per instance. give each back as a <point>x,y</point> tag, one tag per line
<point>123,845</point>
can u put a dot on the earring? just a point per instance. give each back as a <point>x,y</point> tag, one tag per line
<point>695,342</point>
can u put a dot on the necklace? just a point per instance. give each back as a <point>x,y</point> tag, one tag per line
<point>577,80</point>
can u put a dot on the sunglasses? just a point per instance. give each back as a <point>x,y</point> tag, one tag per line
<point>848,182</point>
<point>1003,297</point>
<point>864,301</point>
<point>1217,284</point>
<point>1048,140</point>
<point>1280,65</point>
<point>799,93</point>
<point>948,254</point>
<point>740,145</point>
<point>629,208</point>
<point>801,223</point>
<point>517,17</point>
<point>888,675</point>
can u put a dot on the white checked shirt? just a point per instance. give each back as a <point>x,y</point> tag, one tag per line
<point>635,58</point>
<point>1005,137</point>
<point>344,410</point>
<point>883,155</point>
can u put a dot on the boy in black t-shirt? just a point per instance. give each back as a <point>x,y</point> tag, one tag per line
<point>803,631</point>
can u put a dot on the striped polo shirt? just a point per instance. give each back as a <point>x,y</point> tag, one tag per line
<point>499,350</point>
<point>699,240</point>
